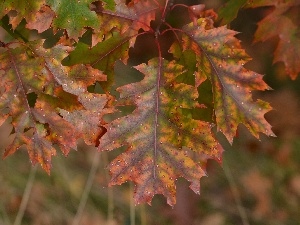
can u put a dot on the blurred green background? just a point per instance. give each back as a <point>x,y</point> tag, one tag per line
<point>259,183</point>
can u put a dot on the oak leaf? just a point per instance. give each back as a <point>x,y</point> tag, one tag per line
<point>282,22</point>
<point>18,78</point>
<point>285,15</point>
<point>160,137</point>
<point>220,58</point>
<point>27,69</point>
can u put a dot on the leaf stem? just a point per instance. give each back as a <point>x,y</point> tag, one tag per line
<point>171,28</point>
<point>157,104</point>
<point>165,8</point>
<point>163,16</point>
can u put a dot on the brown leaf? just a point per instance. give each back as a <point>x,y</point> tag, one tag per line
<point>279,22</point>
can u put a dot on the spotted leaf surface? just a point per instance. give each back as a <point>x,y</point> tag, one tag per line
<point>73,16</point>
<point>21,73</point>
<point>161,140</point>
<point>183,84</point>
<point>75,80</point>
<point>38,124</point>
<point>88,120</point>
<point>221,59</point>
<point>61,132</point>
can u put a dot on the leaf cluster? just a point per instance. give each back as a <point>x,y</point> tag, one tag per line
<point>50,91</point>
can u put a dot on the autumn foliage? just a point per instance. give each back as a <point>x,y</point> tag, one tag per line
<point>49,91</point>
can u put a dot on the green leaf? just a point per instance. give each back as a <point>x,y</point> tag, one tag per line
<point>230,11</point>
<point>221,59</point>
<point>73,16</point>
<point>109,4</point>
<point>103,56</point>
<point>188,60</point>
<point>162,140</point>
